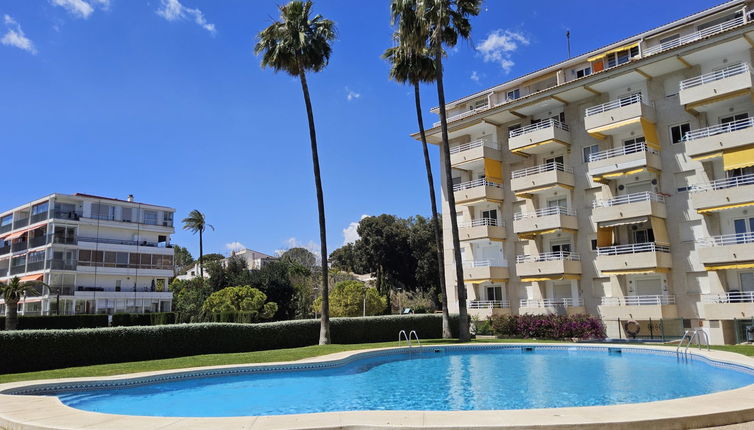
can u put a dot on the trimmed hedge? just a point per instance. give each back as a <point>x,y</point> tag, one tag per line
<point>59,322</point>
<point>548,326</point>
<point>26,351</point>
<point>160,318</point>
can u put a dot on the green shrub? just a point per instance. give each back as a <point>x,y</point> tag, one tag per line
<point>548,326</point>
<point>159,318</point>
<point>53,322</point>
<point>25,351</point>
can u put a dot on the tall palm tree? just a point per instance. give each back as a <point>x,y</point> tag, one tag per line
<point>12,292</point>
<point>414,68</point>
<point>196,222</point>
<point>295,44</point>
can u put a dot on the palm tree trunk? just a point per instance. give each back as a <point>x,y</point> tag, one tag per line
<point>201,256</point>
<point>435,219</point>
<point>11,315</point>
<point>324,330</point>
<point>463,319</point>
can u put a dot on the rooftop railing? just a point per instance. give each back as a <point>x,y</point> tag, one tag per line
<point>721,184</point>
<point>464,114</point>
<point>719,129</point>
<point>736,69</point>
<point>481,222</point>
<point>552,210</point>
<point>613,104</point>
<point>475,183</point>
<point>541,168</point>
<point>729,297</point>
<point>478,143</point>
<point>726,239</point>
<point>633,248</point>
<point>489,304</point>
<point>623,150</point>
<point>641,300</point>
<point>541,125</point>
<point>548,256</point>
<point>693,37</point>
<point>629,198</point>
<point>542,303</point>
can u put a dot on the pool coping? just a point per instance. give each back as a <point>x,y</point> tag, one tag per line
<point>727,407</point>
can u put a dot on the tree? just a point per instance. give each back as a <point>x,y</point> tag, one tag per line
<point>354,299</point>
<point>274,280</point>
<point>240,299</point>
<point>295,44</point>
<point>183,258</point>
<point>300,256</point>
<point>385,241</point>
<point>196,222</point>
<point>12,292</point>
<point>188,297</point>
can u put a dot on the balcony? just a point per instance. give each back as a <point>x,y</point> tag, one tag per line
<point>723,194</point>
<point>124,242</point>
<point>627,206</point>
<point>711,141</point>
<point>728,305</point>
<point>626,160</point>
<point>62,264</point>
<point>6,228</point>
<point>614,116</point>
<point>483,228</point>
<point>20,246</point>
<point>693,37</point>
<point>38,241</point>
<point>477,190</point>
<point>534,180</point>
<point>488,308</point>
<point>474,150</point>
<point>713,87</point>
<point>462,115</point>
<point>539,138</point>
<point>478,270</point>
<point>726,251</point>
<point>634,258</point>
<point>22,222</point>
<point>70,215</point>
<point>64,240</point>
<point>548,266</point>
<point>4,250</point>
<point>563,306</point>
<point>543,221</point>
<point>640,307</point>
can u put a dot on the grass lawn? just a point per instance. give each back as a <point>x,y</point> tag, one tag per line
<point>275,355</point>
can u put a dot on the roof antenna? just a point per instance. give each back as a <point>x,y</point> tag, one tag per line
<point>568,38</point>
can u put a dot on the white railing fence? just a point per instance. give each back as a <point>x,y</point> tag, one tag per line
<point>489,304</point>
<point>478,143</point>
<point>693,37</point>
<point>553,210</point>
<point>729,297</point>
<point>726,239</point>
<point>548,256</point>
<point>719,129</point>
<point>629,198</point>
<point>735,69</point>
<point>623,150</point>
<point>541,168</point>
<point>482,263</point>
<point>475,183</point>
<point>464,114</point>
<point>633,248</point>
<point>481,222</point>
<point>541,303</point>
<point>643,300</point>
<point>538,126</point>
<point>613,104</point>
<point>721,184</point>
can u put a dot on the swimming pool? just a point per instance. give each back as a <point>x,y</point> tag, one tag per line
<point>463,378</point>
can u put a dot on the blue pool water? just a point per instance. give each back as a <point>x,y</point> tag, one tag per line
<point>453,379</point>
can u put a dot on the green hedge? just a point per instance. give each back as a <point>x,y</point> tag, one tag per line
<point>58,322</point>
<point>159,318</point>
<point>25,351</point>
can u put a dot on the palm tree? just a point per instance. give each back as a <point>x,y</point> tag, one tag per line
<point>416,67</point>
<point>12,292</point>
<point>295,44</point>
<point>196,222</point>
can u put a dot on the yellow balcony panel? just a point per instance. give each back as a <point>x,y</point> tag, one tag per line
<point>628,206</point>
<point>728,193</point>
<point>709,142</point>
<point>483,228</point>
<point>551,306</point>
<point>728,305</point>
<point>541,178</point>
<point>633,259</point>
<point>539,138</point>
<point>548,266</point>
<point>703,92</point>
<point>638,308</point>
<point>627,160</point>
<point>473,151</point>
<point>615,116</point>
<point>729,250</point>
<point>483,271</point>
<point>477,190</point>
<point>544,221</point>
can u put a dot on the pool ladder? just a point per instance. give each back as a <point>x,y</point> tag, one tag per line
<point>689,336</point>
<point>411,335</point>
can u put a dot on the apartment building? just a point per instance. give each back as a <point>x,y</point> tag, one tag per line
<point>94,254</point>
<point>618,183</point>
<point>255,260</point>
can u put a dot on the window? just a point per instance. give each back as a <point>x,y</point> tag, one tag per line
<point>648,287</point>
<point>126,214</point>
<point>744,228</point>
<point>40,208</point>
<point>594,244</point>
<point>560,247</point>
<point>557,203</point>
<point>150,217</point>
<point>644,236</point>
<point>6,220</point>
<point>104,212</point>
<point>494,293</point>
<point>513,128</point>
<point>634,145</point>
<point>117,284</point>
<point>621,57</point>
<point>589,150</point>
<point>677,132</point>
<point>490,214</point>
<point>747,281</point>
<point>478,104</point>
<point>167,219</point>
<point>553,163</point>
<point>512,94</point>
<point>586,71</point>
<point>735,122</point>
<point>741,171</point>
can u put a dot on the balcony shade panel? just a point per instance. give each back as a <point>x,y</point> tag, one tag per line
<point>531,234</point>
<point>737,266</point>
<point>605,236</point>
<point>602,55</point>
<point>493,170</point>
<point>551,278</point>
<point>31,278</point>
<point>492,281</point>
<point>724,207</point>
<point>709,156</point>
<point>620,222</point>
<point>660,231</point>
<point>17,234</point>
<point>738,158</point>
<point>608,176</point>
<point>519,151</point>
<point>636,271</point>
<point>528,194</point>
<point>650,134</point>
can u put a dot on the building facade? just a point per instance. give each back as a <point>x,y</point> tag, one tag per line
<point>94,254</point>
<point>255,260</point>
<point>618,183</point>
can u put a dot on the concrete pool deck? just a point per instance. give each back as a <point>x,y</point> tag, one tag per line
<point>728,407</point>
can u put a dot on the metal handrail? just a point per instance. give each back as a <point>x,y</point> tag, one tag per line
<point>729,297</point>
<point>474,144</point>
<point>541,125</point>
<point>613,104</point>
<point>481,222</point>
<point>489,304</point>
<point>726,239</point>
<point>721,184</point>
<point>629,198</point>
<point>552,210</point>
<point>693,37</point>
<point>548,256</point>
<point>640,300</point>
<point>402,335</point>
<point>541,168</point>
<point>414,335</point>
<point>714,130</point>
<point>464,114</point>
<point>541,303</point>
<point>481,263</point>
<point>623,150</point>
<point>633,248</point>
<point>475,183</point>
<point>733,70</point>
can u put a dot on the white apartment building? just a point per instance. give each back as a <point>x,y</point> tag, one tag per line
<point>95,254</point>
<point>618,183</point>
<point>255,260</point>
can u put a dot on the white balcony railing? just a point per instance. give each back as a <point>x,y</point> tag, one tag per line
<point>719,129</point>
<point>541,303</point>
<point>481,222</point>
<point>541,125</point>
<point>643,300</point>
<point>541,168</point>
<point>717,75</point>
<point>489,304</point>
<point>623,150</point>
<point>633,248</point>
<point>548,256</point>
<point>464,114</point>
<point>478,143</point>
<point>629,198</point>
<point>475,183</point>
<point>729,297</point>
<point>482,263</point>
<point>553,210</point>
<point>726,239</point>
<point>721,184</point>
<point>693,37</point>
<point>614,104</point>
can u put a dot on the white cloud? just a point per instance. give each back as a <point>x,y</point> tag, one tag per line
<point>474,76</point>
<point>352,95</point>
<point>500,45</point>
<point>81,8</point>
<point>173,10</point>
<point>234,246</point>
<point>350,233</point>
<point>15,37</point>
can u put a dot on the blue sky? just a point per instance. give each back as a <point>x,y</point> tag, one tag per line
<point>165,100</point>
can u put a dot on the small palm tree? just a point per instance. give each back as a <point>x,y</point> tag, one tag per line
<point>196,222</point>
<point>13,292</point>
<point>295,44</point>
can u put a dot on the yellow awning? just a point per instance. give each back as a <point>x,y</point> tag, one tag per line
<point>636,271</point>
<point>531,234</point>
<point>493,170</point>
<point>650,134</point>
<point>551,278</point>
<point>659,230</point>
<point>481,281</point>
<point>524,148</point>
<point>624,173</point>
<point>624,221</point>
<point>749,265</point>
<point>707,156</point>
<point>614,50</point>
<point>598,132</point>
<point>738,158</point>
<point>724,207</point>
<point>605,236</point>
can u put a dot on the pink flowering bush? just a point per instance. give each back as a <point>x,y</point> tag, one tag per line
<point>548,326</point>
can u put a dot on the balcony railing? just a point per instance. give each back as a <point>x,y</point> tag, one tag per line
<point>481,263</point>
<point>38,217</point>
<point>481,222</point>
<point>633,248</point>
<point>34,266</point>
<point>719,129</point>
<point>717,75</point>
<point>6,228</point>
<point>474,144</point>
<point>38,241</point>
<point>729,297</point>
<point>643,300</point>
<point>553,210</point>
<point>548,256</point>
<point>18,223</point>
<point>72,215</point>
<point>629,198</point>
<point>547,167</point>
<point>464,114</point>
<point>64,240</point>
<point>721,184</point>
<point>541,303</point>
<point>541,125</point>
<point>62,264</point>
<point>489,304</point>
<point>473,184</point>
<point>168,266</point>
<point>4,250</point>
<point>726,239</point>
<point>123,242</point>
<point>20,246</point>
<point>613,104</point>
<point>623,150</point>
<point>693,37</point>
